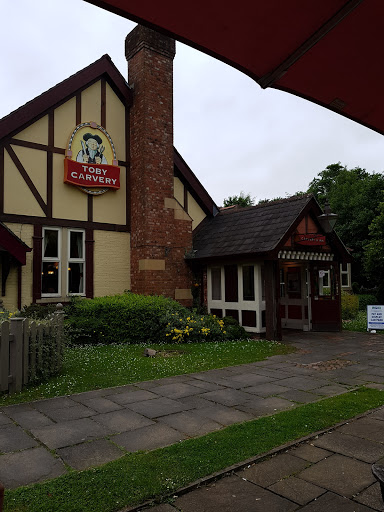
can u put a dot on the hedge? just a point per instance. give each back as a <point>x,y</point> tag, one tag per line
<point>127,318</point>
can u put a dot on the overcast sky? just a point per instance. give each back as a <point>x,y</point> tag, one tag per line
<point>234,135</point>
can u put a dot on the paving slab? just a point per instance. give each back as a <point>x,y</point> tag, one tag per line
<point>132,396</point>
<point>330,502</point>
<point>179,390</point>
<point>365,427</point>
<point>122,421</point>
<point>51,404</point>
<point>70,413</point>
<point>226,396</point>
<point>309,452</point>
<point>264,406</point>
<point>233,494</point>
<point>303,383</point>
<point>190,423</point>
<point>13,438</point>
<point>268,389</point>
<point>159,407</point>
<point>101,404</point>
<point>352,446</point>
<point>203,384</point>
<point>148,438</point>
<point>70,432</point>
<point>251,379</point>
<point>29,466</point>
<point>224,415</point>
<point>295,395</point>
<point>4,420</point>
<point>31,419</point>
<point>274,469</point>
<point>340,474</point>
<point>371,497</point>
<point>297,490</point>
<point>91,454</point>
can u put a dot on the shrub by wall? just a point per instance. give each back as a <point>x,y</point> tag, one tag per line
<point>366,300</point>
<point>349,306</point>
<point>132,318</point>
<point>127,318</point>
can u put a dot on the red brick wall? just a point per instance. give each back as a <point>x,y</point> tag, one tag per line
<point>155,233</point>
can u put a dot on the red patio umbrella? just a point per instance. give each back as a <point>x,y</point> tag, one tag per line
<point>327,52</point>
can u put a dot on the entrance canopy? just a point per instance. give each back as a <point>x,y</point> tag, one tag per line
<point>327,52</point>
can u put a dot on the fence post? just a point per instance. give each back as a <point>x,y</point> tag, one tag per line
<point>16,355</point>
<point>59,314</point>
<point>26,351</point>
<point>4,355</point>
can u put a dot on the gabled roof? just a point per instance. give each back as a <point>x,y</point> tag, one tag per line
<point>37,108</point>
<point>188,176</point>
<point>12,244</point>
<point>251,231</point>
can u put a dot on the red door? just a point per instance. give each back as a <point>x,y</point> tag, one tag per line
<point>325,296</point>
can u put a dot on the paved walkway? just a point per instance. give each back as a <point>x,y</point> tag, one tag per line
<point>39,440</point>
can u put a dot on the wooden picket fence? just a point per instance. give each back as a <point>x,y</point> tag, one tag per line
<point>27,347</point>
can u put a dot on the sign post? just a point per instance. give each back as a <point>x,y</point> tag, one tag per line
<point>375,317</point>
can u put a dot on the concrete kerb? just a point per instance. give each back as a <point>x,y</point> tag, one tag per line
<point>243,465</point>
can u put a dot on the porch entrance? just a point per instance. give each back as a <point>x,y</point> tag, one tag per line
<point>325,296</point>
<point>310,296</point>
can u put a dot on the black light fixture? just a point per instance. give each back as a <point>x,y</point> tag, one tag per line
<point>327,219</point>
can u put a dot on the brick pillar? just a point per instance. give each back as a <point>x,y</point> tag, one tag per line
<point>161,232</point>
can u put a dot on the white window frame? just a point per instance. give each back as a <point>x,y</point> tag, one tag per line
<point>257,304</point>
<point>346,273</point>
<point>75,260</point>
<point>53,260</point>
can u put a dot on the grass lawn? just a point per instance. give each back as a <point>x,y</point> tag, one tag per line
<point>102,366</point>
<point>140,476</point>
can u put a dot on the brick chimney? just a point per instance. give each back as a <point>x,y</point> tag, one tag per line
<point>161,231</point>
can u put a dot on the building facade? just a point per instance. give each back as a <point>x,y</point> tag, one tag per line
<point>95,200</point>
<point>92,192</point>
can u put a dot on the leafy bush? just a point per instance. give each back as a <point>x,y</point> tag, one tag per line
<point>37,311</point>
<point>200,328</point>
<point>127,318</point>
<point>366,300</point>
<point>349,306</point>
<point>132,318</point>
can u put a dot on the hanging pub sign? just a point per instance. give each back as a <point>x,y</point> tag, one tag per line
<point>90,162</point>
<point>310,239</point>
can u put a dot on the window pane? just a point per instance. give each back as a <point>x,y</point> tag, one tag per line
<point>248,283</point>
<point>50,277</point>
<point>75,278</point>
<point>231,288</point>
<point>76,244</point>
<point>216,283</point>
<point>344,279</point>
<point>51,243</point>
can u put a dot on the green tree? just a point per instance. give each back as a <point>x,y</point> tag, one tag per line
<point>374,251</point>
<point>240,200</point>
<point>355,195</point>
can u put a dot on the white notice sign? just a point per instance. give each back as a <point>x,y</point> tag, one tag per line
<point>375,317</point>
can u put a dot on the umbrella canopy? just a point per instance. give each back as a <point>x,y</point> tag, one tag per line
<point>327,52</point>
